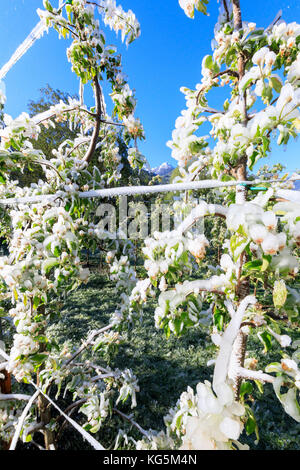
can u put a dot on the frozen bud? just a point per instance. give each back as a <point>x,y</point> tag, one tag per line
<point>253,247</point>
<point>28,284</point>
<point>258,233</point>
<point>84,274</point>
<point>231,428</point>
<point>226,262</point>
<point>251,363</point>
<point>235,36</point>
<point>197,247</point>
<point>216,338</point>
<point>289,365</point>
<point>281,237</point>
<point>270,58</point>
<point>291,42</point>
<point>270,220</point>
<point>259,56</point>
<point>283,340</point>
<point>110,256</point>
<point>245,329</point>
<point>296,232</point>
<point>163,285</point>
<point>251,26</point>
<point>249,150</point>
<point>270,245</point>
<point>64,256</point>
<point>163,267</point>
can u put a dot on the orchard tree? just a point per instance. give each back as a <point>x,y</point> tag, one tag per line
<point>46,237</point>
<point>47,225</point>
<point>254,285</point>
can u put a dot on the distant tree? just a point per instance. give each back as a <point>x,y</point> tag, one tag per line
<point>49,138</point>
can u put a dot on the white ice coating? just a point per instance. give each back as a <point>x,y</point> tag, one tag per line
<point>228,338</point>
<point>35,34</point>
<point>135,190</point>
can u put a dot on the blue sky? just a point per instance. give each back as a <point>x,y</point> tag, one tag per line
<point>168,55</point>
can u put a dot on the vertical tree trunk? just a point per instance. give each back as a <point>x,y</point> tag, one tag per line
<point>5,385</point>
<point>44,410</point>
<point>44,407</point>
<point>240,344</point>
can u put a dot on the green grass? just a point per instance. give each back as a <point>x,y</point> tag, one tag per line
<point>164,368</point>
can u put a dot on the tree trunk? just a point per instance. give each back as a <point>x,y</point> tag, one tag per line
<point>44,407</point>
<point>5,385</point>
<point>239,347</point>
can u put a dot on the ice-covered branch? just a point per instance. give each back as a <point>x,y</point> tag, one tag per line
<point>14,396</point>
<point>255,375</point>
<point>89,340</point>
<point>137,190</point>
<point>22,419</point>
<point>202,210</point>
<point>95,444</point>
<point>226,346</point>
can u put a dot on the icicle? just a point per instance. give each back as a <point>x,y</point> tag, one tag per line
<point>35,34</point>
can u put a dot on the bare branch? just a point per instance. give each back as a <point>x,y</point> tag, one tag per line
<point>92,147</point>
<point>226,10</point>
<point>128,418</point>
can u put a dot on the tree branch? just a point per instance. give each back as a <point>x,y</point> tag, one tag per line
<point>22,419</point>
<point>90,152</point>
<point>88,342</point>
<point>128,418</point>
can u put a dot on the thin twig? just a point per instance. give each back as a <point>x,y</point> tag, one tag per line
<point>226,10</point>
<point>88,342</point>
<point>128,418</point>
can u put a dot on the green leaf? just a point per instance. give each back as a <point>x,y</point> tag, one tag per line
<point>266,340</point>
<point>265,264</point>
<point>246,388</point>
<point>201,6</point>
<point>253,265</point>
<point>36,301</point>
<point>28,438</point>
<point>266,143</point>
<point>209,63</point>
<point>38,359</point>
<point>48,6</point>
<point>250,425</point>
<point>49,263</point>
<point>57,251</point>
<point>276,83</point>
<point>279,293</point>
<point>259,386</point>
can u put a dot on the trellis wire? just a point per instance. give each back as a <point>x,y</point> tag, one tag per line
<point>140,190</point>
